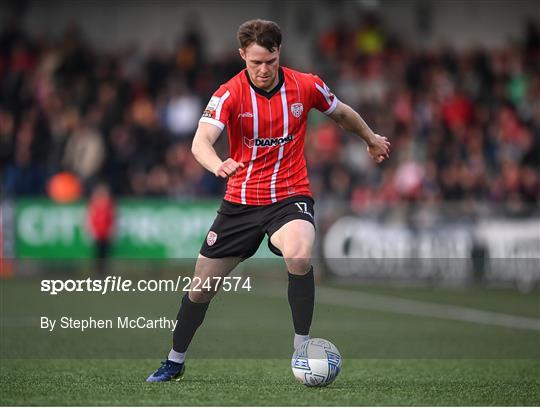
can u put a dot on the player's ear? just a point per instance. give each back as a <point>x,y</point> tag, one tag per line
<point>242,53</point>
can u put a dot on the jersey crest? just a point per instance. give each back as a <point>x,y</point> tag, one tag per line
<point>297,109</point>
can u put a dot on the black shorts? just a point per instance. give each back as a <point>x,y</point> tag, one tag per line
<point>239,229</point>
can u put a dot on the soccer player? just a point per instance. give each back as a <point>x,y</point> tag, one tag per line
<point>265,109</point>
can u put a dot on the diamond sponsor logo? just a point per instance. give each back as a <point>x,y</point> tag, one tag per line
<point>268,142</point>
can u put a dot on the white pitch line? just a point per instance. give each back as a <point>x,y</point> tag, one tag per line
<point>383,303</point>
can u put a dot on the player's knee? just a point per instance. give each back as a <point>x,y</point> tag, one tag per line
<point>298,266</point>
<point>297,250</point>
<point>298,258</point>
<point>201,297</point>
<point>202,290</point>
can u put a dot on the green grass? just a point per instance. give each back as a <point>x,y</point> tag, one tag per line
<point>270,382</point>
<point>240,355</point>
<point>495,300</point>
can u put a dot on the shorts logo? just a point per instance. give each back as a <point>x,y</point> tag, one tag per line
<point>297,109</point>
<point>211,238</point>
<point>303,208</point>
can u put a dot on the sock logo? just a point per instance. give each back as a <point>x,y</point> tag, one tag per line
<point>303,208</point>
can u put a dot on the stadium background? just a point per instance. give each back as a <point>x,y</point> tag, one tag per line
<point>112,92</point>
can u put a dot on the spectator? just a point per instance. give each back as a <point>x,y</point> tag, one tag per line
<point>85,152</point>
<point>100,221</point>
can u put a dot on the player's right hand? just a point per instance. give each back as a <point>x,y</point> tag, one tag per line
<point>228,168</point>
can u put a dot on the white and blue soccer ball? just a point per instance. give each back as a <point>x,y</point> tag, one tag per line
<point>316,363</point>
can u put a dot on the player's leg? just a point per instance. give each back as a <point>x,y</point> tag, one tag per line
<point>195,303</point>
<point>192,312</point>
<point>295,240</point>
<point>235,235</point>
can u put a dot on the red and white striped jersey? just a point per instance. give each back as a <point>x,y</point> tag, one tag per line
<point>266,133</point>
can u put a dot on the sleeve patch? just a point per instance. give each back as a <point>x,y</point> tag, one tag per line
<point>212,105</point>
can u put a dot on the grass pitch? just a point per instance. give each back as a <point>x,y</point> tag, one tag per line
<point>241,354</point>
<point>270,382</point>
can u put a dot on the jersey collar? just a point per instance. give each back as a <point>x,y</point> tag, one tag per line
<point>272,92</point>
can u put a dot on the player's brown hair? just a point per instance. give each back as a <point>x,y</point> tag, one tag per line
<point>265,33</point>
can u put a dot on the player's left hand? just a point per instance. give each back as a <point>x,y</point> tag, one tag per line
<point>379,148</point>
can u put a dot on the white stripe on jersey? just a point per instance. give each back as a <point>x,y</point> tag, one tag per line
<point>285,134</point>
<point>213,122</point>
<point>255,137</point>
<point>332,107</point>
<point>220,104</point>
<point>325,93</point>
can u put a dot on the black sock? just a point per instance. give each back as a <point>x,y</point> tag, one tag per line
<point>190,317</point>
<point>301,299</point>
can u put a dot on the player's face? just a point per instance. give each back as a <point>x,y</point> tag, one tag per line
<point>262,65</point>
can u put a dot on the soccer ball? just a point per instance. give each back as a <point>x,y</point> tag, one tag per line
<point>316,363</point>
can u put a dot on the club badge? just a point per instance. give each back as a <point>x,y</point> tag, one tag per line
<point>297,109</point>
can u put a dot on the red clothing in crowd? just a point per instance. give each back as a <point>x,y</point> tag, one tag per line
<point>101,214</point>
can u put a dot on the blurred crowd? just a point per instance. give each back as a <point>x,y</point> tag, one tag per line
<point>464,126</point>
<point>125,118</point>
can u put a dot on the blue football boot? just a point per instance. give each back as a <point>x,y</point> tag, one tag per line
<point>168,371</point>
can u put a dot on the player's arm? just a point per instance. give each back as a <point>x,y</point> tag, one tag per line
<point>204,152</point>
<point>378,146</point>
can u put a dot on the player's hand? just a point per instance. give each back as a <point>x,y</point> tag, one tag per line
<point>379,149</point>
<point>228,168</point>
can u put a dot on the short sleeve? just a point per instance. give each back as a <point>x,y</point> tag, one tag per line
<point>218,110</point>
<point>322,98</point>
